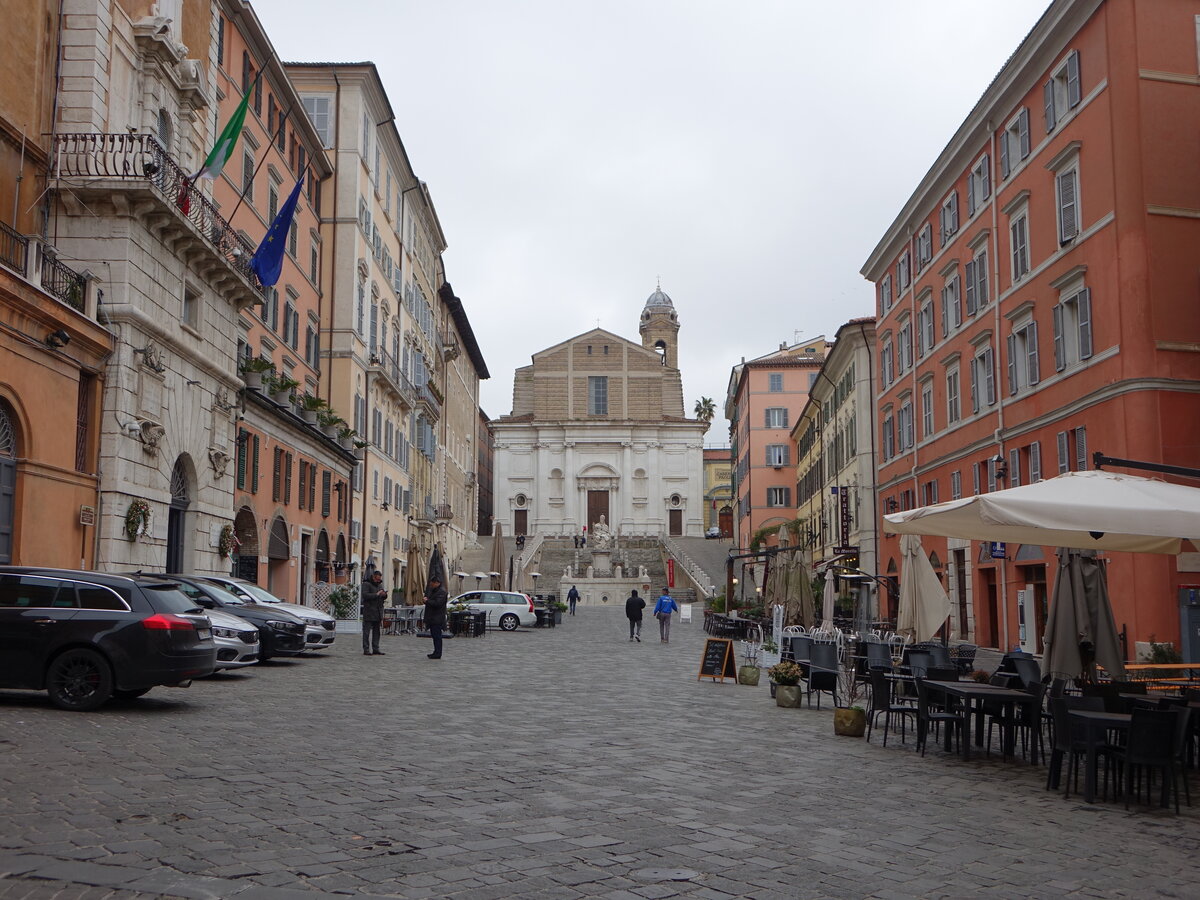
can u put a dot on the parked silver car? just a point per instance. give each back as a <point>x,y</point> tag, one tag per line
<point>320,627</point>
<point>236,640</point>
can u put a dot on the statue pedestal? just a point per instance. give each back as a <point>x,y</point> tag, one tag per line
<point>602,562</point>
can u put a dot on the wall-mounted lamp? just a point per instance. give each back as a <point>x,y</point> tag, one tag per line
<point>890,505</point>
<point>999,467</point>
<point>57,338</point>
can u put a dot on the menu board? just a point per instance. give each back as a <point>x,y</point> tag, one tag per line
<point>718,661</point>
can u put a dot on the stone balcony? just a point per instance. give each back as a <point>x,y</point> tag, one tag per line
<point>385,367</point>
<point>138,175</point>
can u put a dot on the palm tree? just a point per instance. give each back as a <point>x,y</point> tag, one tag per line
<point>705,409</point>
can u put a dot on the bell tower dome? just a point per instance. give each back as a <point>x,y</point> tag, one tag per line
<point>659,327</point>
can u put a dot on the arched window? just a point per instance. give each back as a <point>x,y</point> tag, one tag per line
<point>177,516</point>
<point>8,481</point>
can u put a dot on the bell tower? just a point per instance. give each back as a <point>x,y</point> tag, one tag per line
<point>659,327</point>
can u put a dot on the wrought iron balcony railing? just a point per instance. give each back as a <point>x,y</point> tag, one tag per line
<point>63,282</point>
<point>14,249</point>
<point>140,157</point>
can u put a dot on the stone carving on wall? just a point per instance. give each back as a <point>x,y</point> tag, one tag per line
<point>220,461</point>
<point>152,357</point>
<point>151,434</point>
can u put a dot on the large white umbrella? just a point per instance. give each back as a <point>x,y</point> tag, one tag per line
<point>924,605</point>
<point>827,599</point>
<point>1092,510</point>
<point>1081,629</point>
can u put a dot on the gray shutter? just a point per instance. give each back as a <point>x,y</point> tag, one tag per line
<point>1035,462</point>
<point>1060,350</point>
<point>945,310</point>
<point>1031,350</point>
<point>989,376</point>
<point>972,301</point>
<point>971,195</point>
<point>1073,92</point>
<point>1064,462</point>
<point>985,174</point>
<point>1067,227</point>
<point>1083,308</point>
<point>1023,132</point>
<point>1048,99</point>
<point>975,385</point>
<point>1081,449</point>
<point>1014,468</point>
<point>954,210</point>
<point>942,232</point>
<point>981,287</point>
<point>1004,169</point>
<point>1012,363</point>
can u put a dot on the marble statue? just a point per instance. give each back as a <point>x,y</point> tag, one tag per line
<point>601,537</point>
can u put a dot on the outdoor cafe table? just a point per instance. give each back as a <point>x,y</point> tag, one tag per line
<point>1098,725</point>
<point>973,694</point>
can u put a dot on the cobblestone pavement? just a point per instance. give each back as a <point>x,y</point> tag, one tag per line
<point>555,763</point>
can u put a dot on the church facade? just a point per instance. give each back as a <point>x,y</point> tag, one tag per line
<point>598,429</point>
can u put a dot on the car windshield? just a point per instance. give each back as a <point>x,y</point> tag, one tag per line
<point>169,598</point>
<point>226,597</point>
<point>255,591</point>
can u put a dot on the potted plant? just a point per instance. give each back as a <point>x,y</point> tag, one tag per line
<point>343,602</point>
<point>849,717</point>
<point>330,422</point>
<point>786,677</point>
<point>360,450</point>
<point>770,652</point>
<point>253,371</point>
<point>281,387</point>
<point>346,436</point>
<point>310,408</point>
<point>558,608</point>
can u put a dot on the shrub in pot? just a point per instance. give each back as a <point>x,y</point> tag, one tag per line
<point>786,677</point>
<point>748,674</point>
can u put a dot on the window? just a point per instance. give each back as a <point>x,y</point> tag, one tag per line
<point>779,496</point>
<point>904,358</point>
<point>904,425</point>
<point>983,380</point>
<point>925,333</point>
<point>979,185</point>
<point>314,261</point>
<point>956,485</point>
<point>1014,468</point>
<point>597,395</point>
<point>365,149</point>
<point>271,114</point>
<point>927,426</point>
<point>1067,195</point>
<point>924,246</point>
<point>975,477</point>
<point>929,493</point>
<point>1014,143</point>
<point>777,454</point>
<point>191,306</point>
<point>248,177</point>
<point>953,409</point>
<point>777,417</point>
<point>270,308</point>
<point>952,301</point>
<point>885,294</point>
<point>976,278</point>
<point>903,273</point>
<point>1023,370</point>
<point>1018,226</point>
<point>1073,329</point>
<point>292,239</point>
<point>272,201</point>
<point>361,310</point>
<point>888,437</point>
<point>886,363</point>
<point>948,218</point>
<point>1035,462</point>
<point>221,41</point>
<point>774,381</point>
<point>1062,93</point>
<point>258,95</point>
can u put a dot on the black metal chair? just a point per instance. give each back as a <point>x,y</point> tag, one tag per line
<point>882,704</point>
<point>1070,742</point>
<point>822,671</point>
<point>1151,745</point>
<point>930,717</point>
<point>964,657</point>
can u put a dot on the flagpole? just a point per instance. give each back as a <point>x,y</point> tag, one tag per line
<point>270,145</point>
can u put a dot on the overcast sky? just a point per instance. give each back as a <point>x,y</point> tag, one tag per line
<point>749,154</point>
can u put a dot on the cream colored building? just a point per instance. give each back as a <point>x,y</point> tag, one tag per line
<point>598,428</point>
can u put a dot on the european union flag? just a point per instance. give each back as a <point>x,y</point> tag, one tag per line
<point>267,262</point>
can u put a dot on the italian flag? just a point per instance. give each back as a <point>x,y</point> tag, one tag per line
<point>223,150</point>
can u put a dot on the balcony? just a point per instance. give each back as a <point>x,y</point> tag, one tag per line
<point>442,513</point>
<point>430,400</point>
<point>385,366</point>
<point>44,269</point>
<point>177,211</point>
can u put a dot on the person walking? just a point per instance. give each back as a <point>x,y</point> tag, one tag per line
<point>435,614</point>
<point>572,598</point>
<point>373,596</point>
<point>633,612</point>
<point>662,611</point>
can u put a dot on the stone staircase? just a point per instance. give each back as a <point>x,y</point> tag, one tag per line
<point>709,555</point>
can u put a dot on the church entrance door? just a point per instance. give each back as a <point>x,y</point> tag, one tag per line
<point>597,506</point>
<point>520,522</point>
<point>675,521</point>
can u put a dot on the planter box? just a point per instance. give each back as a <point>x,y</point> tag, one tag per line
<point>748,675</point>
<point>309,416</point>
<point>787,695</point>
<point>253,380</point>
<point>849,722</point>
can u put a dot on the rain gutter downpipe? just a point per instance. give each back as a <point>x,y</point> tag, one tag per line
<point>999,433</point>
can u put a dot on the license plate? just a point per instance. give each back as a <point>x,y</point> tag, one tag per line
<point>204,633</point>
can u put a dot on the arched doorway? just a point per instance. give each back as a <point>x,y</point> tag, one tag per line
<point>339,557</point>
<point>278,557</point>
<point>181,499</point>
<point>324,563</point>
<point>8,482</point>
<point>245,556</point>
<point>725,521</point>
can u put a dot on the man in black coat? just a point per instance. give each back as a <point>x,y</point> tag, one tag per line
<point>373,598</point>
<point>435,614</point>
<point>633,612</point>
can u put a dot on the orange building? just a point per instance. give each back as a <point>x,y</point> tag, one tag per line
<point>764,397</point>
<point>292,474</point>
<point>52,350</point>
<point>1037,303</point>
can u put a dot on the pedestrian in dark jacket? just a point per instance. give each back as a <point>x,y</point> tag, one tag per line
<point>435,614</point>
<point>633,612</point>
<point>373,597</point>
<point>572,598</point>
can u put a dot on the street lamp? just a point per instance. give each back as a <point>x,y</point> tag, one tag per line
<point>861,577</point>
<point>460,576</point>
<point>535,576</point>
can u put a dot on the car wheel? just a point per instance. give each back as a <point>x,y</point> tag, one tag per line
<point>79,680</point>
<point>130,695</point>
<point>509,622</point>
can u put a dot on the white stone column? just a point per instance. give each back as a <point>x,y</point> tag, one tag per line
<point>626,483</point>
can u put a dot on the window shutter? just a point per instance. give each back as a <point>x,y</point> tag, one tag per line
<point>1083,308</point>
<point>1012,363</point>
<point>1073,92</point>
<point>985,177</point>
<point>1014,468</point>
<point>972,300</point>
<point>1048,99</point>
<point>287,478</point>
<point>1081,449</point>
<point>942,231</point>
<point>1004,155</point>
<point>326,487</point>
<point>981,276</point>
<point>989,377</point>
<point>254,468</point>
<point>1064,462</point>
<point>975,385</point>
<point>953,211</point>
<point>971,195</point>
<point>243,439</point>
<point>303,493</point>
<point>1060,349</point>
<point>1067,227</point>
<point>1031,351</point>
<point>975,477</point>
<point>276,475</point>
<point>945,310</point>
<point>312,486</point>
<point>1035,462</point>
<point>1023,132</point>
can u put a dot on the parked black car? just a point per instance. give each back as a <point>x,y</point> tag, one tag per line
<point>280,633</point>
<point>85,637</point>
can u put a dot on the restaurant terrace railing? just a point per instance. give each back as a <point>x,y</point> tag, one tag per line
<point>14,249</point>
<point>140,157</point>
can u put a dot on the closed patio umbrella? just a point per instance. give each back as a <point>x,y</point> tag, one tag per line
<point>924,605</point>
<point>497,563</point>
<point>436,568</point>
<point>1081,630</point>
<point>828,596</point>
<point>414,590</point>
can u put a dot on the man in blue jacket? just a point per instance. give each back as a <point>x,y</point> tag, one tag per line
<point>662,611</point>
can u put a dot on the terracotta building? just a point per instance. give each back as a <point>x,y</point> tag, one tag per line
<point>718,491</point>
<point>52,349</point>
<point>761,403</point>
<point>1037,303</point>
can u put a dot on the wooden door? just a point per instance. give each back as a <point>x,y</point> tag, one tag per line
<point>520,521</point>
<point>675,521</point>
<point>8,505</point>
<point>725,521</point>
<point>597,506</point>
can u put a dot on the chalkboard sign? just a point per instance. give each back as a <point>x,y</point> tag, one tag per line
<point>718,660</point>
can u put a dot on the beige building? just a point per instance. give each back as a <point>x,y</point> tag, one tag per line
<point>718,490</point>
<point>598,428</point>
